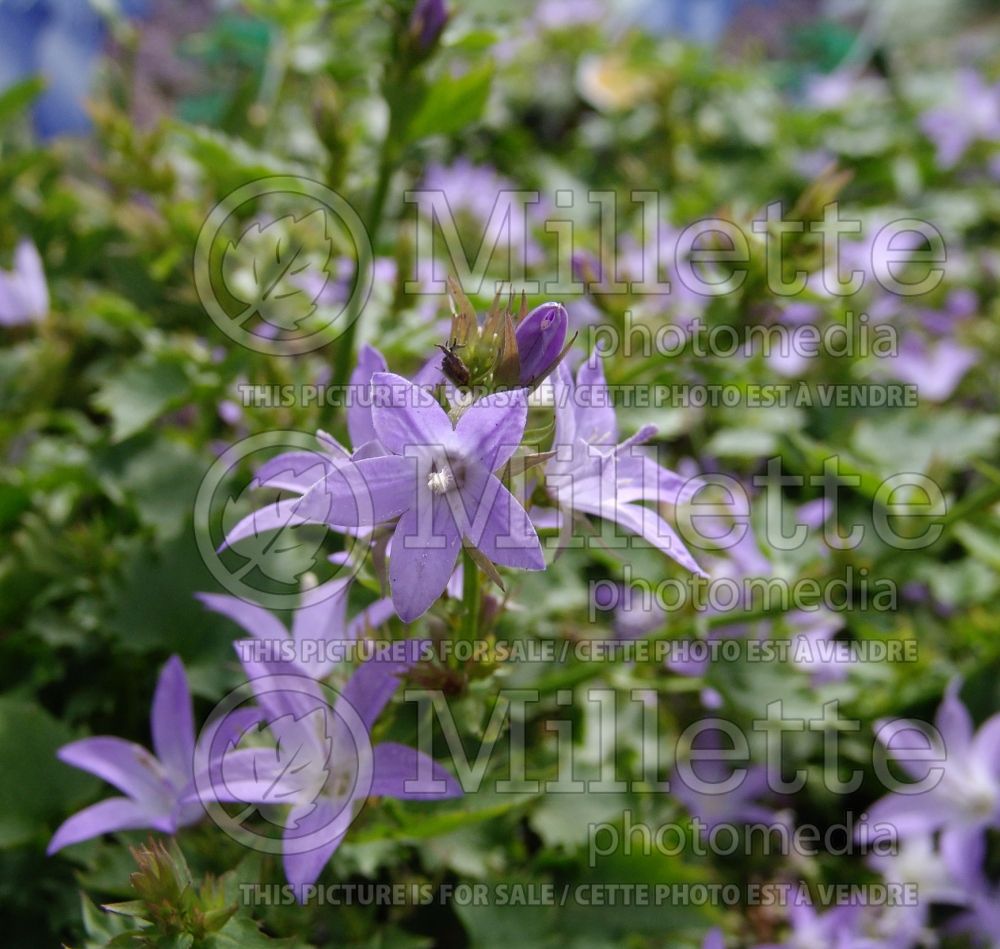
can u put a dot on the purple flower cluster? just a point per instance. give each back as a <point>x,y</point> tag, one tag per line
<point>431,471</point>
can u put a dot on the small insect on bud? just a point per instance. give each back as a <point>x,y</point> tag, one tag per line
<point>452,365</point>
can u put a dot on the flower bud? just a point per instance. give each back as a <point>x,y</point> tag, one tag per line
<point>541,337</point>
<point>427,23</point>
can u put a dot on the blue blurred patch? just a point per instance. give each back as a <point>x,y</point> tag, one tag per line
<point>61,40</point>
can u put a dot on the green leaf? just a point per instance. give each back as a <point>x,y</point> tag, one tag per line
<point>139,394</point>
<point>453,104</point>
<point>38,790</point>
<point>20,96</point>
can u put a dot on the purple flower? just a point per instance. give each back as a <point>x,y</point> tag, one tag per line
<point>159,790</point>
<point>712,791</point>
<point>427,22</point>
<point>24,295</point>
<point>331,752</point>
<point>974,115</point>
<point>321,620</point>
<point>966,798</point>
<point>714,940</point>
<point>935,368</point>
<point>592,473</point>
<point>438,481</point>
<point>541,336</point>
<point>837,928</point>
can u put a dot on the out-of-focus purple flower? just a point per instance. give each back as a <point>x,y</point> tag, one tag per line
<point>566,14</point>
<point>837,928</point>
<point>320,621</point>
<point>592,473</point>
<point>159,791</point>
<point>973,115</point>
<point>635,610</point>
<point>438,481</point>
<point>24,294</point>
<point>712,791</point>
<point>935,368</point>
<point>427,22</point>
<point>714,940</point>
<point>62,41</point>
<point>541,336</point>
<point>230,412</point>
<point>966,798</point>
<point>483,194</point>
<point>329,790</point>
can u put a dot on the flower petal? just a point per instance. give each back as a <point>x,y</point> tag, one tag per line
<point>371,686</point>
<point>359,412</point>
<point>258,622</point>
<point>105,817</point>
<point>410,775</point>
<point>499,526</point>
<point>124,764</point>
<point>595,413</point>
<point>425,547</point>
<point>295,470</point>
<point>954,722</point>
<point>651,528</point>
<point>172,722</point>
<point>490,429</point>
<point>326,821</point>
<point>404,415</point>
<point>362,493</point>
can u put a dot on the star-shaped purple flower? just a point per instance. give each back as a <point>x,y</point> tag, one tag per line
<point>592,473</point>
<point>439,481</point>
<point>333,755</point>
<point>966,799</point>
<point>158,790</point>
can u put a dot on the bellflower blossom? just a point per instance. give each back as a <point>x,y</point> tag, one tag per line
<point>160,792</point>
<point>965,800</point>
<point>438,481</point>
<point>298,471</point>
<point>593,473</point>
<point>974,115</point>
<point>329,790</point>
<point>319,622</point>
<point>24,295</point>
<point>837,928</point>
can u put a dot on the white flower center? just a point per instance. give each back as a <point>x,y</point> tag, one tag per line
<point>441,481</point>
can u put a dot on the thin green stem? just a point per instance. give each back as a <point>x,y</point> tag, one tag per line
<point>470,597</point>
<point>366,259</point>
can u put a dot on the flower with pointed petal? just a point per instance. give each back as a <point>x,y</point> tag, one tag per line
<point>158,789</point>
<point>320,620</point>
<point>966,798</point>
<point>330,773</point>
<point>593,474</point>
<point>24,295</point>
<point>439,482</point>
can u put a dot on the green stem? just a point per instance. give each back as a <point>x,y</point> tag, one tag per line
<point>345,349</point>
<point>470,597</point>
